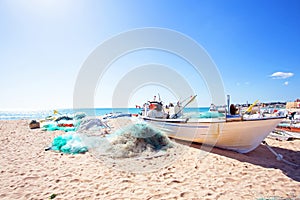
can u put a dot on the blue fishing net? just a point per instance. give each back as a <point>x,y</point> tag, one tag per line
<point>54,127</point>
<point>71,144</point>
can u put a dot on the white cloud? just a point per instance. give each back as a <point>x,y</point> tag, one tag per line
<point>286,83</point>
<point>281,75</point>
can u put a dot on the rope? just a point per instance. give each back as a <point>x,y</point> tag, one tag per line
<point>279,157</point>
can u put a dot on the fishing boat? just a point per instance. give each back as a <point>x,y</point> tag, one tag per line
<point>289,126</point>
<point>238,133</point>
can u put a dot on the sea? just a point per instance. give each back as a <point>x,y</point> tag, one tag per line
<point>41,114</point>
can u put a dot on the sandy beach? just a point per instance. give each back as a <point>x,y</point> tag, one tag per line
<point>27,171</point>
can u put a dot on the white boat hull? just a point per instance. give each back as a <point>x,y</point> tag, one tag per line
<point>241,136</point>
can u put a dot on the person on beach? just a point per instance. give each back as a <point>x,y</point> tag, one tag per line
<point>292,117</point>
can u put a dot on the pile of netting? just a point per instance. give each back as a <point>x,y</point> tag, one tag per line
<point>65,122</point>
<point>73,143</point>
<point>95,135</point>
<point>70,144</point>
<point>135,140</point>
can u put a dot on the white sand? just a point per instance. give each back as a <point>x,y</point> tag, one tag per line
<point>29,172</point>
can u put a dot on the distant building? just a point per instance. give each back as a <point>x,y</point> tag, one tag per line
<point>291,105</point>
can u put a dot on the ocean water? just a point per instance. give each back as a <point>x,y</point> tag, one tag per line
<point>41,114</point>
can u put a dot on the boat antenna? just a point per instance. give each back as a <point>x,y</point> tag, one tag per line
<point>159,97</point>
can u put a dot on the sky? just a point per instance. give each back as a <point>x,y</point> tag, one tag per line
<point>255,46</point>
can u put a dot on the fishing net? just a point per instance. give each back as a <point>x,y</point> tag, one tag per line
<point>55,127</point>
<point>92,127</point>
<point>70,144</point>
<point>138,140</point>
<point>137,147</point>
<point>131,141</point>
<point>134,147</point>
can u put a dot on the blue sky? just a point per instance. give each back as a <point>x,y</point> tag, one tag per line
<point>43,44</point>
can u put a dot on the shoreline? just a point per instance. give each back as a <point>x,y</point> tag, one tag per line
<point>29,172</point>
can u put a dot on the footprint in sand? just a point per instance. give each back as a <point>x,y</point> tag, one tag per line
<point>74,180</point>
<point>30,178</point>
